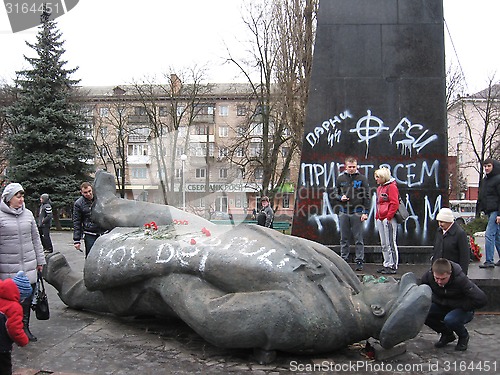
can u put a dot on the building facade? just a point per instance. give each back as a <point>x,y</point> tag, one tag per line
<point>473,135</point>
<point>197,149</point>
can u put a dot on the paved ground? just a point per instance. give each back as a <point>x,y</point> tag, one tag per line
<point>79,342</point>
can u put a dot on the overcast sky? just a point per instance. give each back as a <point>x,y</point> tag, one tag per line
<point>116,41</point>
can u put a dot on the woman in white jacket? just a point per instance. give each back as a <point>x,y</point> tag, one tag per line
<point>20,245</point>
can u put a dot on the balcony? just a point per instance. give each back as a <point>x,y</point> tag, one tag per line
<point>138,160</point>
<point>201,138</point>
<point>138,119</point>
<point>209,119</point>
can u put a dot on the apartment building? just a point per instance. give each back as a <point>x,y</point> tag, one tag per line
<point>468,134</point>
<point>197,152</point>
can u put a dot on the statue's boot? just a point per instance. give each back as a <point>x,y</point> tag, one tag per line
<point>110,211</point>
<point>70,285</point>
<point>407,316</point>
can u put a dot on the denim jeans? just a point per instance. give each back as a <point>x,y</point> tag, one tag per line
<point>89,242</point>
<point>444,319</point>
<point>492,238</point>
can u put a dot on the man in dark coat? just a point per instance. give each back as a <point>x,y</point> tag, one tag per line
<point>454,299</point>
<point>354,197</point>
<point>451,240</point>
<point>83,225</point>
<point>489,203</point>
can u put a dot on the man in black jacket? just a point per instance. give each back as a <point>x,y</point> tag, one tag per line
<point>454,299</point>
<point>83,226</point>
<point>451,240</point>
<point>354,197</point>
<point>489,203</point>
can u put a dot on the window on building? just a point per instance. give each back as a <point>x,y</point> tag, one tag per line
<point>119,173</point>
<point>223,173</point>
<point>241,110</point>
<point>178,172</point>
<point>241,131</point>
<point>255,149</point>
<point>180,110</point>
<point>86,111</point>
<point>285,151</point>
<point>137,149</point>
<point>205,109</point>
<point>199,129</point>
<point>223,131</point>
<point>119,152</point>
<point>200,172</point>
<point>239,152</point>
<point>223,110</point>
<point>261,109</point>
<point>259,173</point>
<point>104,152</point>
<point>138,132</point>
<point>104,131</point>
<point>104,111</point>
<point>139,173</point>
<point>223,152</point>
<point>163,111</point>
<point>238,203</point>
<point>200,202</point>
<point>286,201</point>
<point>257,129</point>
<point>140,111</point>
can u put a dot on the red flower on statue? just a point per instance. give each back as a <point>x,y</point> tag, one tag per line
<point>475,248</point>
<point>150,226</point>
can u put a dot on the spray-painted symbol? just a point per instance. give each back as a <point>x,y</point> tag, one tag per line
<point>367,132</point>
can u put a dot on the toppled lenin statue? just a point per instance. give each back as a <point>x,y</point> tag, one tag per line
<point>247,287</point>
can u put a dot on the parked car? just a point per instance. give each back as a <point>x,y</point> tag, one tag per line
<point>219,215</point>
<point>463,210</point>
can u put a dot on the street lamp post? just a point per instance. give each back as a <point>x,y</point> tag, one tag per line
<point>183,160</point>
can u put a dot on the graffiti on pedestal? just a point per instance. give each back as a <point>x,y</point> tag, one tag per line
<point>404,145</point>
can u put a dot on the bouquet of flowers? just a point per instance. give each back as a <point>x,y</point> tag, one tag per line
<point>149,227</point>
<point>475,249</point>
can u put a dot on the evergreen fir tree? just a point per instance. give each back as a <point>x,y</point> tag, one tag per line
<point>49,151</point>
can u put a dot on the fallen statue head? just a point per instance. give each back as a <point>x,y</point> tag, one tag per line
<point>247,287</point>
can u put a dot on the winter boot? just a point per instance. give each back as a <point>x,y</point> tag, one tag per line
<point>26,320</point>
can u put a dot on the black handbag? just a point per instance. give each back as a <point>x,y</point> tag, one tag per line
<point>40,303</point>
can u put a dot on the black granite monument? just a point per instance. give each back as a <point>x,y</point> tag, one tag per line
<point>377,92</point>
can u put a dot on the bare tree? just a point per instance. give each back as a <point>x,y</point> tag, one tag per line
<point>454,85</point>
<point>478,126</point>
<point>171,109</point>
<point>277,70</point>
<point>110,137</point>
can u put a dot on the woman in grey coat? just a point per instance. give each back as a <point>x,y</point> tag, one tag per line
<point>20,245</point>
